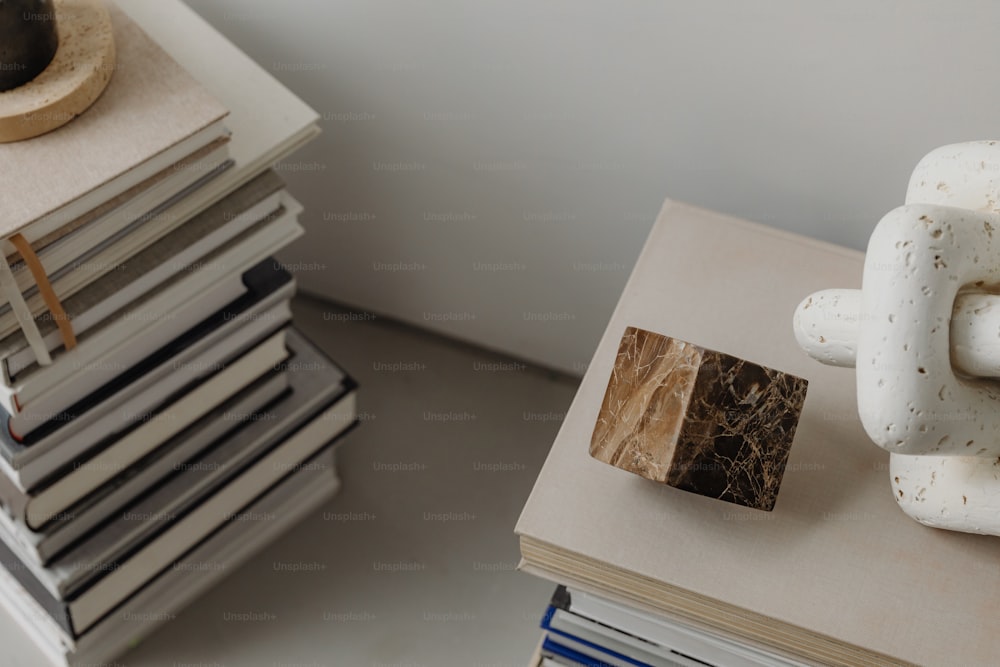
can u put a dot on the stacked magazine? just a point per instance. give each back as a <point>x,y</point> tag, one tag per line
<point>160,420</point>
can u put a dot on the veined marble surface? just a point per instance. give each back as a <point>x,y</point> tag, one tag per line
<point>697,419</point>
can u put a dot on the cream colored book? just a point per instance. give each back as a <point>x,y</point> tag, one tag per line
<point>836,574</point>
<point>151,116</point>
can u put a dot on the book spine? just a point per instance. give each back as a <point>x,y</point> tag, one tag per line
<point>57,609</point>
<point>12,497</point>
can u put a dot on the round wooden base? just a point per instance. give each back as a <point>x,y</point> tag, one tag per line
<point>75,78</point>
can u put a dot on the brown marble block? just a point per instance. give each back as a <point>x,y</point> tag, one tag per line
<point>698,420</point>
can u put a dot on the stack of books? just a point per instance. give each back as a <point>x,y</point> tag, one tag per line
<point>815,581</point>
<point>582,629</point>
<point>161,421</point>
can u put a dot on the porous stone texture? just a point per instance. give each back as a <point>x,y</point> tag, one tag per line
<point>697,419</point>
<point>924,339</point>
<point>827,325</point>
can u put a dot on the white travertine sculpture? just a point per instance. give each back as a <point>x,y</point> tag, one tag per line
<point>924,336</point>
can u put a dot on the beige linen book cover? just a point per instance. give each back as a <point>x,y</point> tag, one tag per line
<point>836,574</point>
<point>150,105</point>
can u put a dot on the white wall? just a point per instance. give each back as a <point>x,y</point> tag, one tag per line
<point>542,136</point>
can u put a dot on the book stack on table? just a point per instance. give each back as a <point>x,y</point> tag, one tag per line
<point>815,581</point>
<point>584,629</point>
<point>161,420</point>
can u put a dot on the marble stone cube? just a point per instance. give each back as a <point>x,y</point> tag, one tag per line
<point>698,420</point>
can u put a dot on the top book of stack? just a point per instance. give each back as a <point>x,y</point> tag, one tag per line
<point>152,117</point>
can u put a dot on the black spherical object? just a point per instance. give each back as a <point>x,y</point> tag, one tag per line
<point>28,40</point>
